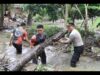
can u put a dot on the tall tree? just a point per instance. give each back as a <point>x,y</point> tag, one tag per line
<point>29,19</point>
<point>1,15</point>
<point>32,9</point>
<point>54,11</point>
<point>86,17</point>
<point>67,7</point>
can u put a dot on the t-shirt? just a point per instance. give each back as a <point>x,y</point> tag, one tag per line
<point>20,39</point>
<point>40,38</point>
<point>76,38</point>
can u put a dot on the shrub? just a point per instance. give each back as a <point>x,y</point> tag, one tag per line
<point>40,68</point>
<point>83,32</point>
<point>38,18</point>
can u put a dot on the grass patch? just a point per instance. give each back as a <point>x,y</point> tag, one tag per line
<point>41,67</point>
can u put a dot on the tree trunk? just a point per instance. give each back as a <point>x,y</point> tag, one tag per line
<point>66,13</point>
<point>29,19</point>
<point>1,16</point>
<point>79,11</point>
<point>18,65</point>
<point>73,18</point>
<point>6,7</point>
<point>86,19</point>
<point>87,45</point>
<point>92,21</point>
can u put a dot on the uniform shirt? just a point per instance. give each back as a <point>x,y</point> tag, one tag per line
<point>76,38</point>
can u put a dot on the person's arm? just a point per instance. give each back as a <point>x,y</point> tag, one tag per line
<point>68,40</point>
<point>31,44</point>
<point>32,41</point>
<point>26,37</point>
<point>65,41</point>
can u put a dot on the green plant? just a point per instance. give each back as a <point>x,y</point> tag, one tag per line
<point>42,67</point>
<point>83,32</point>
<point>38,18</point>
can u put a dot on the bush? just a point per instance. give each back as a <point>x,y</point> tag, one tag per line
<point>83,32</point>
<point>46,18</point>
<point>38,18</point>
<point>40,68</point>
<point>49,30</point>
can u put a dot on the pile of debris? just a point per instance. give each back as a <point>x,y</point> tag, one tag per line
<point>3,63</point>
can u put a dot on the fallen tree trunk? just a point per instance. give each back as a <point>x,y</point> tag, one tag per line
<point>58,36</point>
<point>18,64</point>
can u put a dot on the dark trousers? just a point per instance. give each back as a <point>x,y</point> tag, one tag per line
<point>42,55</point>
<point>18,48</point>
<point>77,52</point>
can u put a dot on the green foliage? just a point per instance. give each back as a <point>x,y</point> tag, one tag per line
<point>37,18</point>
<point>34,8</point>
<point>70,20</point>
<point>95,23</point>
<point>45,18</point>
<point>93,10</point>
<point>54,11</point>
<point>49,30</point>
<point>40,68</point>
<point>83,32</point>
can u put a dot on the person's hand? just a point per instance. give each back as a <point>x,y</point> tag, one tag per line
<point>61,41</point>
<point>31,46</point>
<point>25,45</point>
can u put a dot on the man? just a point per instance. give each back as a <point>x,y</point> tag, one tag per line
<point>76,39</point>
<point>37,39</point>
<point>17,36</point>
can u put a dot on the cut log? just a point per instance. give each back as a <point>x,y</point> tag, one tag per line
<point>19,64</point>
<point>58,36</point>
